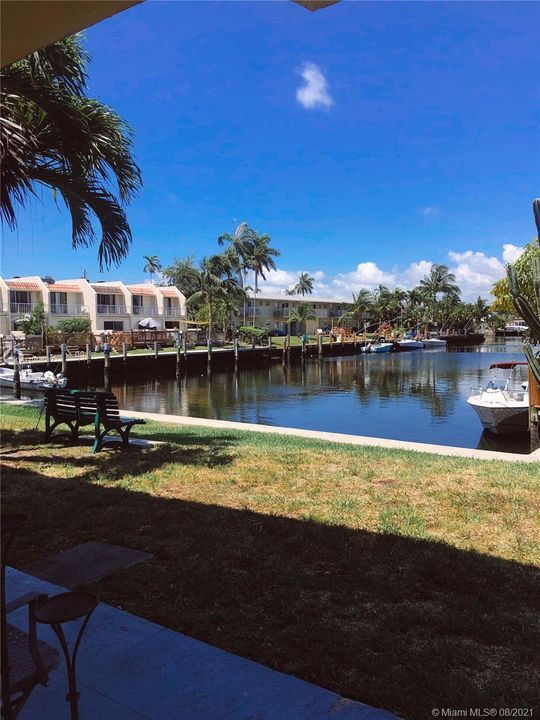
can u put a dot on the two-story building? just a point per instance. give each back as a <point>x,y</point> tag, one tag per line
<point>273,312</point>
<point>109,305</point>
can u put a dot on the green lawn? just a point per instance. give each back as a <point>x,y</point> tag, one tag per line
<point>400,579</point>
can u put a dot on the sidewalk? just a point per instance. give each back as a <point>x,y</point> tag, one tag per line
<point>131,669</point>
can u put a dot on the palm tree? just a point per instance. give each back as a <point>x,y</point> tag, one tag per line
<point>53,135</point>
<point>153,265</point>
<point>300,315</point>
<point>239,252</point>
<point>289,291</point>
<point>304,286</point>
<point>479,310</point>
<point>215,283</point>
<point>440,281</point>
<point>361,304</point>
<point>261,260</point>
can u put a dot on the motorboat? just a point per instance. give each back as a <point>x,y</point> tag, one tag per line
<point>516,327</point>
<point>380,347</point>
<point>503,410</point>
<point>433,342</point>
<point>410,344</point>
<point>31,380</point>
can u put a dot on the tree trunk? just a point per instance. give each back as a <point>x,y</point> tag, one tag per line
<point>255,296</point>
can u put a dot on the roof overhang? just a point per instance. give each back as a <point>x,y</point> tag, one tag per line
<point>29,25</point>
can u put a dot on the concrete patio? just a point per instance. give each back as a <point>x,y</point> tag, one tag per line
<point>131,669</point>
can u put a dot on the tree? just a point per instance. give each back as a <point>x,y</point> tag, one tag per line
<point>53,135</point>
<point>73,325</point>
<point>304,286</point>
<point>261,260</point>
<point>300,315</point>
<point>239,252</point>
<point>34,322</point>
<point>524,269</point>
<point>215,284</point>
<point>479,310</point>
<point>153,265</point>
<point>362,303</point>
<point>182,274</point>
<point>440,281</point>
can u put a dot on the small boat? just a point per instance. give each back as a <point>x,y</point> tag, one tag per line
<point>380,347</point>
<point>433,342</point>
<point>31,380</point>
<point>502,410</point>
<point>410,344</point>
<point>516,328</point>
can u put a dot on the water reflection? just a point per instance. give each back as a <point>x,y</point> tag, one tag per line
<point>416,396</point>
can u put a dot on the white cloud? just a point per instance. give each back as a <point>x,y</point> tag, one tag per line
<point>511,252</point>
<point>314,92</point>
<point>430,210</point>
<point>475,274</point>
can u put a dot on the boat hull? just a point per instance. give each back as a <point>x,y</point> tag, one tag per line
<point>407,345</point>
<point>434,343</point>
<point>502,420</point>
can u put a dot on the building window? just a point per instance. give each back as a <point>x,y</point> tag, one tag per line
<point>58,303</point>
<point>116,325</point>
<point>171,324</point>
<point>138,305</point>
<point>20,301</point>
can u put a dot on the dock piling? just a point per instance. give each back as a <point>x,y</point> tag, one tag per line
<point>48,355</point>
<point>319,346</point>
<point>156,349</point>
<point>16,377</point>
<point>124,352</point>
<point>63,351</point>
<point>88,355</point>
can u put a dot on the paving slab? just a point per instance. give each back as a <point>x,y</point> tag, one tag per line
<point>83,564</point>
<point>132,669</point>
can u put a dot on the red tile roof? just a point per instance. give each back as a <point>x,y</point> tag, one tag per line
<point>63,287</point>
<point>169,292</point>
<point>22,285</point>
<point>109,289</point>
<point>137,290</point>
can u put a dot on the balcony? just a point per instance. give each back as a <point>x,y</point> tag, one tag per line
<point>21,308</point>
<point>66,309</point>
<point>282,312</point>
<point>259,311</point>
<point>172,311</point>
<point>111,310</point>
<point>336,313</point>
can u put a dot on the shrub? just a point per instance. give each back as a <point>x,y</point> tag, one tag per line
<point>247,334</point>
<point>73,325</point>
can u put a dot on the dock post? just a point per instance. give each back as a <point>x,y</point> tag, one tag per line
<point>88,355</point>
<point>156,350</point>
<point>16,376</point>
<point>319,346</point>
<point>253,343</point>
<point>2,348</point>
<point>48,354</point>
<point>303,351</point>
<point>178,361</point>
<point>236,345</point>
<point>106,365</point>
<point>63,350</point>
<point>184,346</point>
<point>209,346</point>
<point>124,355</point>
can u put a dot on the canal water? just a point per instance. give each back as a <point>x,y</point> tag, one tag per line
<point>419,396</point>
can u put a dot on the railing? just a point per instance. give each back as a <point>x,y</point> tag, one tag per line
<point>322,313</point>
<point>111,310</point>
<point>259,311</point>
<point>66,309</point>
<point>139,309</point>
<point>21,308</point>
<point>281,312</point>
<point>172,312</point>
<point>335,313</point>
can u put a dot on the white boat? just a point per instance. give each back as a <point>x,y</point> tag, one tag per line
<point>381,347</point>
<point>433,342</point>
<point>502,410</point>
<point>31,380</point>
<point>518,326</point>
<point>410,344</point>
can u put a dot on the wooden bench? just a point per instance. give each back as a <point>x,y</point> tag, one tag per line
<point>78,408</point>
<point>108,417</point>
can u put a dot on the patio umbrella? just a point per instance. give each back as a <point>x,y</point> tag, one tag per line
<point>149,324</point>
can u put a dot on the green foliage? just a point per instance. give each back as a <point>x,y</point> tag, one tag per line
<point>304,286</point>
<point>73,325</point>
<point>300,315</point>
<point>183,274</point>
<point>248,333</point>
<point>33,323</point>
<point>52,134</point>
<point>523,272</point>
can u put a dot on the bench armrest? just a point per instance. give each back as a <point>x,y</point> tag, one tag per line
<point>23,600</point>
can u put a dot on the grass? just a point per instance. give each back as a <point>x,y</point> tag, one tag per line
<point>403,580</point>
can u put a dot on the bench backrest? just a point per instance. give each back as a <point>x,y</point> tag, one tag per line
<point>108,406</point>
<point>61,402</point>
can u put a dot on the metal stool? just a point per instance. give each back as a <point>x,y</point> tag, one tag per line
<point>64,608</point>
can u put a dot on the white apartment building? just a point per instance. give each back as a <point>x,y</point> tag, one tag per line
<point>272,312</point>
<point>110,305</point>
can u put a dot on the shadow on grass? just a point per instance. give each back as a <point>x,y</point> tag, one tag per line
<point>399,623</point>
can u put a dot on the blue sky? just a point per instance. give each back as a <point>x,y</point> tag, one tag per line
<point>368,139</point>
